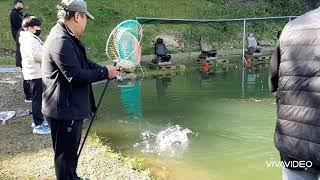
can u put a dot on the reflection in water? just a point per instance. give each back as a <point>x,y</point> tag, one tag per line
<point>206,75</point>
<point>162,84</point>
<point>254,80</point>
<point>130,98</point>
<point>206,72</point>
<point>206,80</point>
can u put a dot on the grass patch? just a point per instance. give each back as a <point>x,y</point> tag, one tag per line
<point>135,163</point>
<point>10,61</point>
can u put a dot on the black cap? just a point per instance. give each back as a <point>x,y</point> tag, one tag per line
<point>17,1</point>
<point>31,21</point>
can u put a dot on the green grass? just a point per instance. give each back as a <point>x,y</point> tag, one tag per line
<point>109,13</point>
<point>8,61</point>
<point>136,163</point>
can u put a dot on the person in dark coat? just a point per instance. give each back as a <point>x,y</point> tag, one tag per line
<point>295,81</point>
<point>16,17</point>
<point>67,74</point>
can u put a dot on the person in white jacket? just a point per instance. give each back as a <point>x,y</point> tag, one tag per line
<point>31,53</point>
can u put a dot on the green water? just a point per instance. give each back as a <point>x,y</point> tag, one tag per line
<point>230,112</point>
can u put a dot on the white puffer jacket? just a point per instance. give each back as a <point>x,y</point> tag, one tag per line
<point>31,53</point>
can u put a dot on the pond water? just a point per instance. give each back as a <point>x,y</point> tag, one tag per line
<point>215,124</point>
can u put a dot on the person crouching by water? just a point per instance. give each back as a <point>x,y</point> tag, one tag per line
<point>67,74</point>
<point>31,53</point>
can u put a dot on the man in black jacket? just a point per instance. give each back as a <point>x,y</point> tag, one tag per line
<point>16,18</point>
<point>67,92</point>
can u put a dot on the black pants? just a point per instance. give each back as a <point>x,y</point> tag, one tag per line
<point>165,58</point>
<point>18,54</point>
<point>36,88</point>
<point>210,53</point>
<point>66,136</point>
<point>27,90</point>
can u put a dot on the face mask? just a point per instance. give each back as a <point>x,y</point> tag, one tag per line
<point>37,33</point>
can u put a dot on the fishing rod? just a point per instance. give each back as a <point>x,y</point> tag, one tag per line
<point>93,117</point>
<point>123,45</point>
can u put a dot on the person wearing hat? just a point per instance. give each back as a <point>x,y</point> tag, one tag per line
<point>31,53</point>
<point>67,74</point>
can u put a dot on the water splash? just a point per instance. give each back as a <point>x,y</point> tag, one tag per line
<point>171,141</point>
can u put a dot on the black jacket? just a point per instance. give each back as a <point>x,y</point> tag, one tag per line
<point>16,21</point>
<point>67,77</point>
<point>295,78</point>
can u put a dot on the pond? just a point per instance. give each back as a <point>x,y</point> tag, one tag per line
<point>201,124</point>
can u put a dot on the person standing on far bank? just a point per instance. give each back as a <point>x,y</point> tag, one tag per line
<point>67,74</point>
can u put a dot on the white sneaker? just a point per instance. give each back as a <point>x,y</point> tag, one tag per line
<point>41,130</point>
<point>84,178</point>
<point>28,101</point>
<point>45,123</point>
